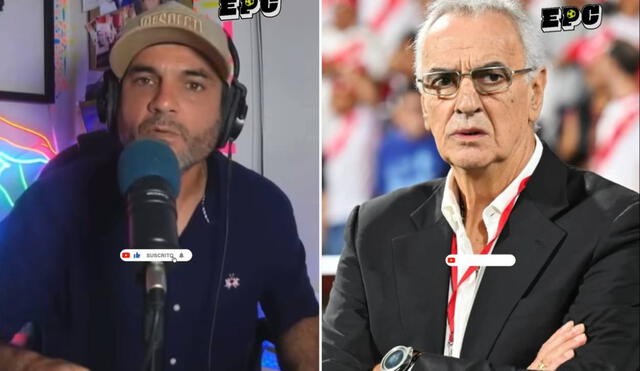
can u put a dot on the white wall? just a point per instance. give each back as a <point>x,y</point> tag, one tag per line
<point>290,129</point>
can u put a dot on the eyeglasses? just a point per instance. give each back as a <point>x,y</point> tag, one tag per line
<point>486,80</point>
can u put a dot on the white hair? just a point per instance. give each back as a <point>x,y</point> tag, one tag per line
<point>529,34</point>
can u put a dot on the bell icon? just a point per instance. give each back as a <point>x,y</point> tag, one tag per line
<point>181,256</point>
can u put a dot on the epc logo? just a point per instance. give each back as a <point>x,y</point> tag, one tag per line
<point>567,18</point>
<point>235,9</point>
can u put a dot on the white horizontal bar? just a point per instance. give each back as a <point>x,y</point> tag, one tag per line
<point>481,260</point>
<point>156,255</point>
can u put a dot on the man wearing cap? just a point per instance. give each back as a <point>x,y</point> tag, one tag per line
<point>570,301</point>
<point>63,287</point>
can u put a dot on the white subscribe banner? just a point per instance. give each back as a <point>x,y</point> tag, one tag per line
<point>480,260</point>
<point>159,255</point>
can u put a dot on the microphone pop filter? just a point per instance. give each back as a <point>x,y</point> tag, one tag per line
<point>147,157</point>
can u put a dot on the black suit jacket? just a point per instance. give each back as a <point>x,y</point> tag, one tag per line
<point>576,240</point>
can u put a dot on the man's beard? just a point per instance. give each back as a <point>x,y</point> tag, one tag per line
<point>197,147</point>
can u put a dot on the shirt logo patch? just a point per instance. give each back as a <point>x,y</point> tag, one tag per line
<point>232,282</point>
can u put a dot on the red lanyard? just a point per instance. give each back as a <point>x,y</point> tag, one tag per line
<point>451,309</point>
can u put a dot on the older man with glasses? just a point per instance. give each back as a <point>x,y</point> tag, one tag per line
<point>569,302</point>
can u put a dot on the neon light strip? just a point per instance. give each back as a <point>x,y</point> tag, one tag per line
<point>26,148</point>
<point>22,179</point>
<point>21,161</point>
<point>3,166</point>
<point>40,135</point>
<point>43,148</point>
<point>6,195</point>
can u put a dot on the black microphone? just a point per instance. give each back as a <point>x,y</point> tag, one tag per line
<point>149,178</point>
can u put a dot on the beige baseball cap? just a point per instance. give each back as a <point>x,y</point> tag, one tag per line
<point>172,23</point>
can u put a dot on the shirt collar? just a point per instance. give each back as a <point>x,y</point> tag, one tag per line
<point>450,207</point>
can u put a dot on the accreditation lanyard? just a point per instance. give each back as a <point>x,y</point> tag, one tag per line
<point>455,285</point>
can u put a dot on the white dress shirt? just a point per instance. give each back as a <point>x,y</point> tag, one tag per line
<point>491,217</point>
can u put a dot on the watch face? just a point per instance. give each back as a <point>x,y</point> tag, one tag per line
<point>394,359</point>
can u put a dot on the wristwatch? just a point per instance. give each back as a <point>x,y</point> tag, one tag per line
<point>400,358</point>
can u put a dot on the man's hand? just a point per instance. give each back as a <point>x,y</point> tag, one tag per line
<point>298,346</point>
<point>555,351</point>
<point>17,359</point>
<point>560,347</point>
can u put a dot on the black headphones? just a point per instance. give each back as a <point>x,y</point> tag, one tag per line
<point>233,105</point>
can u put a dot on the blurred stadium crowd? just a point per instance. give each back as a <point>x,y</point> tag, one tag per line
<point>374,140</point>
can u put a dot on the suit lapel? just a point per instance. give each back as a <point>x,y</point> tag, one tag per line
<point>532,238</point>
<point>422,277</point>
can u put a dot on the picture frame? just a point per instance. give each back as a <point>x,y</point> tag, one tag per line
<point>19,21</point>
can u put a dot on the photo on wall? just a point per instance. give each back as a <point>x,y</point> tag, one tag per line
<point>104,28</point>
<point>103,31</point>
<point>144,5</point>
